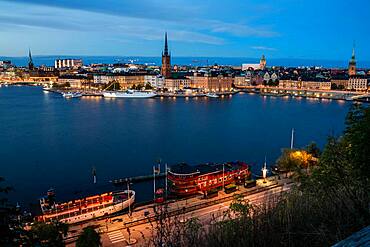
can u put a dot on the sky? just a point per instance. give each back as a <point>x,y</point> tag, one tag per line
<point>315,29</point>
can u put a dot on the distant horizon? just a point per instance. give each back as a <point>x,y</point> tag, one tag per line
<point>188,60</point>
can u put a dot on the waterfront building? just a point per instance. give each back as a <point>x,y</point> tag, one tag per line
<point>289,84</point>
<point>103,79</point>
<point>208,83</point>
<point>352,64</point>
<point>358,83</point>
<point>30,61</point>
<point>68,63</point>
<point>240,81</point>
<point>129,81</point>
<point>186,180</point>
<point>321,85</point>
<point>74,81</point>
<point>263,62</point>
<point>166,60</point>
<point>155,81</point>
<point>174,84</point>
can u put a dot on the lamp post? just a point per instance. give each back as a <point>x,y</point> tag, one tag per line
<point>128,197</point>
<point>264,172</point>
<point>223,176</point>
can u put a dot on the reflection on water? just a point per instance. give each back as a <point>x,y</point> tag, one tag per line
<point>46,140</point>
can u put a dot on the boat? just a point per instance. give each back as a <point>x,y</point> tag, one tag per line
<point>212,95</point>
<point>85,208</point>
<point>129,94</point>
<point>185,180</point>
<point>72,95</point>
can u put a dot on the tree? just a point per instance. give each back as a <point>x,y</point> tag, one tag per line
<point>48,234</point>
<point>148,86</point>
<point>313,149</point>
<point>88,238</point>
<point>5,211</point>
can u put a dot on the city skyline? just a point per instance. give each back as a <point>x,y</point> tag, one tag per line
<point>284,30</point>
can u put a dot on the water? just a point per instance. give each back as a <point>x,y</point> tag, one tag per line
<point>48,141</point>
<point>235,61</point>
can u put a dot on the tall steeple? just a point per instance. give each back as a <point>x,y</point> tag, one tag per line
<point>30,61</point>
<point>263,62</point>
<point>165,52</point>
<point>352,63</point>
<point>166,60</point>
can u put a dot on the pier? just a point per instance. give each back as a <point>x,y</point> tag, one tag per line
<point>121,181</point>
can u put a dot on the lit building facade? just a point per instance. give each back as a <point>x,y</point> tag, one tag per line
<point>68,63</point>
<point>357,83</point>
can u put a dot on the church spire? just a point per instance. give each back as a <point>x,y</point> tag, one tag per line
<point>30,61</point>
<point>165,52</point>
<point>353,51</point>
<point>352,63</point>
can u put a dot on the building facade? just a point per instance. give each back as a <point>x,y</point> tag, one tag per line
<point>211,83</point>
<point>174,84</point>
<point>154,81</point>
<point>321,85</point>
<point>358,83</point>
<point>68,63</point>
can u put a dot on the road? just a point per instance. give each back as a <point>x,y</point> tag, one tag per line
<point>114,230</point>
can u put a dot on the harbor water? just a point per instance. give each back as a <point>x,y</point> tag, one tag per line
<point>49,141</point>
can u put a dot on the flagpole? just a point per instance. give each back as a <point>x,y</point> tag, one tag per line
<point>128,198</point>
<point>292,139</point>
<point>166,179</point>
<point>154,183</point>
<point>223,176</point>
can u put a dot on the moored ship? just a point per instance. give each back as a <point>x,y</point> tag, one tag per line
<point>86,208</point>
<point>72,95</point>
<point>186,180</point>
<point>129,94</point>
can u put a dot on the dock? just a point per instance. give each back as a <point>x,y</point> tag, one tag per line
<point>122,181</point>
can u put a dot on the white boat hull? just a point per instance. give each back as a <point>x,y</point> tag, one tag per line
<point>135,95</point>
<point>119,206</point>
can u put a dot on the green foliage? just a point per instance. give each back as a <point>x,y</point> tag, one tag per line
<point>48,234</point>
<point>148,87</point>
<point>313,149</point>
<point>89,238</point>
<point>5,211</point>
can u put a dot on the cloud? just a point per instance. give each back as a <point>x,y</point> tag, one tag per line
<point>263,48</point>
<point>240,29</point>
<point>144,9</point>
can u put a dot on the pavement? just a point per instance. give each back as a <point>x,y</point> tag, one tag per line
<point>136,230</point>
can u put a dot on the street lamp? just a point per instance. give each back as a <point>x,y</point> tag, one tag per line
<point>264,172</point>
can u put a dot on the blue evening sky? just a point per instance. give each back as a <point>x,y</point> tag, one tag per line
<point>313,29</point>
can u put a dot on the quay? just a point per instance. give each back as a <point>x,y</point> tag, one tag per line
<point>122,181</point>
<point>263,91</point>
<point>141,219</point>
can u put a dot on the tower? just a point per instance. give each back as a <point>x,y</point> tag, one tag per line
<point>166,60</point>
<point>263,62</point>
<point>30,62</point>
<point>352,64</point>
